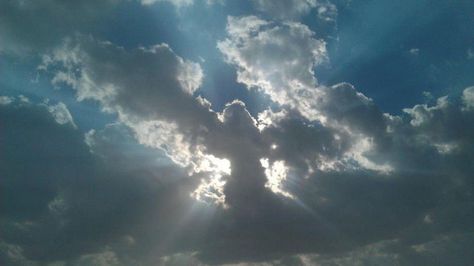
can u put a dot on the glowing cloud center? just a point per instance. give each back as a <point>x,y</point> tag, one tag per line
<point>211,189</point>
<point>276,174</point>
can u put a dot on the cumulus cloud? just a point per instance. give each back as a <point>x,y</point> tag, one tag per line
<point>144,84</point>
<point>152,91</point>
<point>355,135</point>
<point>278,59</point>
<point>275,58</point>
<point>322,176</point>
<point>324,155</point>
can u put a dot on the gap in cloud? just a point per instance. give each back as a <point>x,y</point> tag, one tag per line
<point>192,32</point>
<point>372,50</point>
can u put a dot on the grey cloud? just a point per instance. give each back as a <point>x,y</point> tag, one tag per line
<point>31,27</point>
<point>64,201</point>
<point>422,153</point>
<point>122,194</point>
<point>40,25</point>
<point>151,83</point>
<point>379,205</point>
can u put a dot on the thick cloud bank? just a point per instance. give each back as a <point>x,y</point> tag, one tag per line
<point>320,176</point>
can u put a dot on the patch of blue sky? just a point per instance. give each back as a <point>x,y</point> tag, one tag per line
<point>393,51</point>
<point>192,32</point>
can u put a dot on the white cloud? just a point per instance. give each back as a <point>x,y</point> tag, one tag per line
<point>422,113</point>
<point>211,189</point>
<point>468,97</point>
<point>358,152</point>
<point>84,67</point>
<point>268,118</point>
<point>346,159</point>
<point>414,51</point>
<point>61,113</point>
<point>151,90</point>
<point>277,59</point>
<point>166,136</point>
<point>5,100</point>
<point>276,173</point>
<point>327,12</point>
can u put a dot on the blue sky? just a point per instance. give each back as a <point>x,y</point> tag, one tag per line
<point>218,132</point>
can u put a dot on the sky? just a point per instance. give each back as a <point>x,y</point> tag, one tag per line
<point>221,132</point>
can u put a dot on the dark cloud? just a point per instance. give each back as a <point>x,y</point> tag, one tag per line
<point>38,25</point>
<point>142,84</point>
<point>322,176</point>
<point>122,202</point>
<point>63,201</point>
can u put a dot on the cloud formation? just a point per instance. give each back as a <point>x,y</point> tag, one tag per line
<point>320,176</point>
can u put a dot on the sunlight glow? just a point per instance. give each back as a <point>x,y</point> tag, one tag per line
<point>276,173</point>
<point>211,189</point>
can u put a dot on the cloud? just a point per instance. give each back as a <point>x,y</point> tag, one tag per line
<point>278,59</point>
<point>468,97</point>
<point>31,27</point>
<point>153,83</point>
<point>414,51</point>
<point>61,114</point>
<point>321,176</point>
<point>37,26</point>
<point>285,9</point>
<point>152,91</point>
<point>331,134</point>
<point>97,192</point>
<point>142,85</point>
<point>445,249</point>
<point>323,156</point>
<point>5,100</point>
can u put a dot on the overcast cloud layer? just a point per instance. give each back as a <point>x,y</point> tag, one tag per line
<point>194,132</point>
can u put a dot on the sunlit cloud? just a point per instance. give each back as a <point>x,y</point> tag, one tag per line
<point>215,132</point>
<point>276,174</point>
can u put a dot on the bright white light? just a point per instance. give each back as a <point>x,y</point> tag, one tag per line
<point>358,152</point>
<point>276,173</point>
<point>211,189</point>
